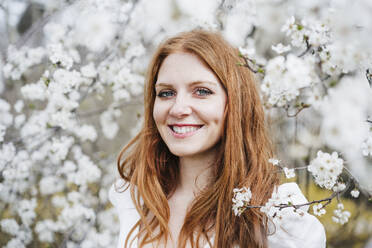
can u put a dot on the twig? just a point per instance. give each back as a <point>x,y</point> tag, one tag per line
<point>248,60</point>
<point>19,140</point>
<point>369,76</point>
<point>308,47</point>
<point>38,25</point>
<point>302,107</point>
<point>357,184</point>
<point>121,33</point>
<point>253,31</point>
<point>328,200</point>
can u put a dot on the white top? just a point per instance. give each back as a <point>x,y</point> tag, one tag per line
<point>296,231</point>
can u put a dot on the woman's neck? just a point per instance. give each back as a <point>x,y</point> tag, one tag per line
<point>195,172</point>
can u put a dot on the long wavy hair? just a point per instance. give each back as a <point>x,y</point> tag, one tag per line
<point>245,148</point>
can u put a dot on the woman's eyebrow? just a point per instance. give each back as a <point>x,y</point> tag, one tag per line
<point>162,84</point>
<point>202,81</point>
<point>190,83</point>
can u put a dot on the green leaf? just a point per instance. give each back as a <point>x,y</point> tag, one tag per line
<point>333,83</point>
<point>47,82</point>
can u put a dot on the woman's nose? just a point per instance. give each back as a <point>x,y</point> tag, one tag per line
<point>180,108</point>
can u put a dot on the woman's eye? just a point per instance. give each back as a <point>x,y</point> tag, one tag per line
<point>165,93</point>
<point>203,92</point>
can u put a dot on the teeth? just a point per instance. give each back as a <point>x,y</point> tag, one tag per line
<point>182,130</point>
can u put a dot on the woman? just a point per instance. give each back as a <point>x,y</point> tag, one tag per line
<point>203,136</point>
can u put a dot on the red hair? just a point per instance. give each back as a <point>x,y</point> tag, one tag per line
<point>245,149</point>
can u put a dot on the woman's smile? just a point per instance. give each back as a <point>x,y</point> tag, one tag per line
<point>184,130</point>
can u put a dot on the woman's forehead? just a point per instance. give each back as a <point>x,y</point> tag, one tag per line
<point>185,68</point>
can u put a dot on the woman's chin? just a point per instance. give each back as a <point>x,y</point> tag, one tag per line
<point>194,151</point>
<point>182,152</point>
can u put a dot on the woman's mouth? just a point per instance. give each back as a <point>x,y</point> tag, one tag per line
<point>183,131</point>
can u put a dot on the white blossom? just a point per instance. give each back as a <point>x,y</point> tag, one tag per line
<point>72,214</point>
<point>6,117</point>
<point>318,209</point>
<point>318,33</point>
<point>50,185</point>
<point>35,91</point>
<point>285,77</point>
<point>344,114</point>
<point>135,51</point>
<point>95,30</point>
<point>59,148</point>
<point>45,230</point>
<point>15,243</point>
<point>89,71</point>
<point>58,55</point>
<point>340,216</point>
<point>339,187</point>
<point>100,239</point>
<point>274,161</point>
<point>7,154</point>
<point>241,199</point>
<point>18,106</point>
<point>120,77</point>
<point>247,52</point>
<point>355,193</point>
<point>65,81</point>
<point>55,32</point>
<point>289,26</point>
<point>9,226</point>
<point>280,48</point>
<point>288,193</point>
<point>67,167</point>
<point>109,125</point>
<point>326,168</point>
<point>26,210</point>
<point>289,173</point>
<point>20,166</point>
<point>86,132</point>
<point>20,60</point>
<point>2,132</point>
<point>87,171</point>
<point>19,120</point>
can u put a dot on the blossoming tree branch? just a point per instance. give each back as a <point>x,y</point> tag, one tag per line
<point>325,168</point>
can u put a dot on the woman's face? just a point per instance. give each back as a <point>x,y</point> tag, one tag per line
<point>189,105</point>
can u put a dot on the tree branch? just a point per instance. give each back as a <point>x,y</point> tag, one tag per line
<point>308,47</point>
<point>247,60</point>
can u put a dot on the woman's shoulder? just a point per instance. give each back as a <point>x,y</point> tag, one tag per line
<point>296,228</point>
<point>291,192</point>
<point>120,196</point>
